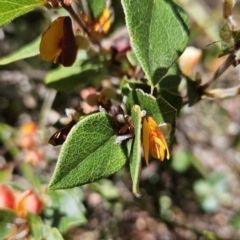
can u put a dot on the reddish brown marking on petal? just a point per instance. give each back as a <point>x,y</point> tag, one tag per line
<point>69,46</point>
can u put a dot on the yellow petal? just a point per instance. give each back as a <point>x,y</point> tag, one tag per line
<point>104,22</point>
<point>157,147</point>
<point>51,42</point>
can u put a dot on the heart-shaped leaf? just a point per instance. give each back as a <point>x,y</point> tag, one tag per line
<point>159,34</point>
<point>89,153</point>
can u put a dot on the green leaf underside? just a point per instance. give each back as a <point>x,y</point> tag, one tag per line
<point>96,7</point>
<point>159,34</point>
<point>135,158</point>
<point>29,50</point>
<point>89,153</point>
<point>81,73</point>
<point>67,79</point>
<point>10,10</point>
<point>158,108</point>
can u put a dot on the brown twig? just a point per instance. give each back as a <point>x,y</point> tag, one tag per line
<point>223,67</point>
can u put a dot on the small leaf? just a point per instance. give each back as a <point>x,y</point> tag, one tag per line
<point>170,82</point>
<point>28,173</point>
<point>73,215</point>
<point>106,188</point>
<point>35,225</point>
<point>89,153</point>
<point>96,7</point>
<point>159,34</point>
<point>12,9</point>
<point>27,51</point>
<point>68,208</point>
<point>131,56</point>
<point>7,217</point>
<point>51,233</point>
<point>135,158</point>
<point>168,88</point>
<point>69,222</point>
<point>6,137</point>
<point>235,220</point>
<point>181,161</point>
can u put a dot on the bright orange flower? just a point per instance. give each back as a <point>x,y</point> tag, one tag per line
<point>153,140</point>
<point>58,42</point>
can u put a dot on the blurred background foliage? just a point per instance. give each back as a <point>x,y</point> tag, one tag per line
<point>195,195</point>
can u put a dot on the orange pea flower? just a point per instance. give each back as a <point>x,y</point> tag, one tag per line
<point>58,42</point>
<point>153,140</point>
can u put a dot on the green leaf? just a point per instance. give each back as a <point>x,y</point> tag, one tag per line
<point>135,158</point>
<point>27,51</point>
<point>96,7</point>
<point>28,173</point>
<point>67,79</point>
<point>81,73</point>
<point>6,137</point>
<point>159,34</point>
<point>12,9</point>
<point>71,206</point>
<point>68,222</point>
<point>89,153</point>
<point>235,220</point>
<point>181,161</point>
<point>66,210</point>
<point>160,109</point>
<point>131,56</point>
<point>106,188</point>
<point>118,16</point>
<point>171,81</point>
<point>35,226</point>
<point>51,233</point>
<point>168,88</point>
<point>6,217</point>
<point>202,188</point>
<point>6,173</point>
